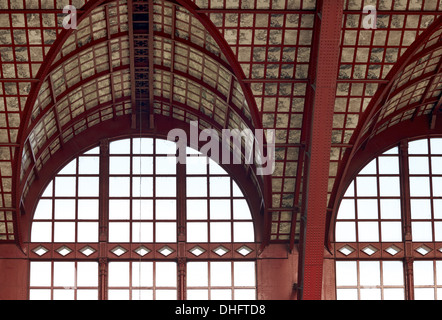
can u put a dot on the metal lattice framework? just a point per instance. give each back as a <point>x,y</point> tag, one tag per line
<point>330,88</point>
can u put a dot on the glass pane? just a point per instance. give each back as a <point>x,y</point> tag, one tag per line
<point>142,232</point>
<point>87,294</point>
<point>436,145</point>
<point>418,165</point>
<point>142,186</point>
<point>367,186</point>
<point>165,232</point>
<point>197,232</point>
<point>119,186</point>
<point>347,294</point>
<point>220,210</point>
<point>40,294</point>
<point>89,165</point>
<point>120,147</point>
<point>142,277</point>
<point>437,207</point>
<point>391,231</point>
<point>88,209</point>
<point>345,232</point>
<point>196,187</point>
<point>165,210</point>
<point>220,274</point>
<point>390,208</point>
<point>118,294</point>
<point>389,187</point>
<point>221,294</point>
<point>346,273</point>
<point>436,165</point>
<point>241,210</point>
<point>166,165</point>
<point>119,165</point>
<point>220,232</point>
<point>165,187</point>
<point>48,190</point>
<point>70,168</point>
<point>87,232</point>
<point>143,146</point>
<point>438,231</point>
<point>368,232</point>
<point>370,273</point>
<point>243,274</point>
<point>166,274</point>
<point>197,294</point>
<point>44,210</point>
<point>215,168</point>
<point>370,294</point>
<point>87,274</point>
<point>219,186</point>
<point>245,294</point>
<point>388,165</point>
<point>423,273</point>
<point>40,274</point>
<point>41,232</point>
<point>394,294</point>
<point>418,147</point>
<point>64,294</point>
<point>196,209</point>
<point>393,273</point>
<point>346,209</point>
<point>64,232</point>
<point>243,232</point>
<point>197,274</point>
<point>118,274</point>
<point>142,294</point>
<point>142,209</point>
<point>419,186</point>
<point>119,209</point>
<point>119,232</point>
<point>437,186</point>
<point>88,186</point>
<point>370,168</point>
<point>64,209</point>
<point>64,274</point>
<point>95,150</point>
<point>196,165</point>
<point>367,209</point>
<point>165,147</point>
<point>142,165</point>
<point>423,294</point>
<point>420,208</point>
<point>166,295</point>
<point>421,231</point>
<point>65,187</point>
<point>350,190</point>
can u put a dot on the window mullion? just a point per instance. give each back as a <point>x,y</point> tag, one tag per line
<point>406,219</point>
<point>103,219</point>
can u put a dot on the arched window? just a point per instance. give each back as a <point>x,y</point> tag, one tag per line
<point>388,229</point>
<point>126,221</point>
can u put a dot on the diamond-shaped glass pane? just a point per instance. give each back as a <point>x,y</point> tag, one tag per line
<point>87,251</point>
<point>346,250</point>
<point>165,251</point>
<point>142,251</point>
<point>244,250</point>
<point>64,251</point>
<point>423,250</point>
<point>393,250</point>
<point>370,250</point>
<point>197,251</point>
<point>40,250</point>
<point>221,251</point>
<point>118,251</point>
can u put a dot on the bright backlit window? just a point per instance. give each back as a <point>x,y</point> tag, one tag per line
<point>133,198</point>
<point>394,203</point>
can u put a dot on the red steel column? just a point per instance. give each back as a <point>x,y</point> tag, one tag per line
<point>314,216</point>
